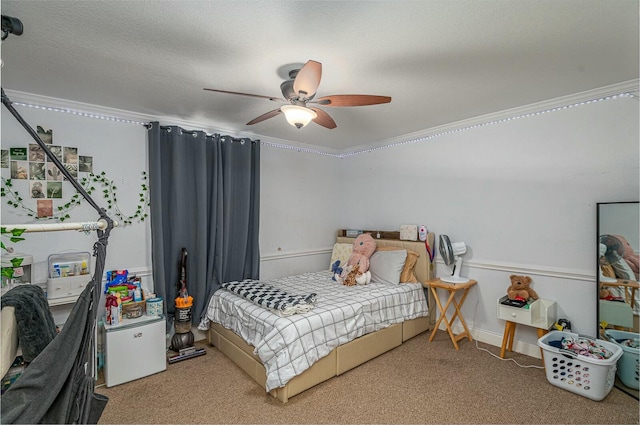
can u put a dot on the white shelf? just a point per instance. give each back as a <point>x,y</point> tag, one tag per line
<point>62,301</point>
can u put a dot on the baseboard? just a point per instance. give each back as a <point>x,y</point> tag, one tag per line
<point>491,338</point>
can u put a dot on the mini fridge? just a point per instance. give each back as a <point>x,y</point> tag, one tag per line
<point>134,348</point>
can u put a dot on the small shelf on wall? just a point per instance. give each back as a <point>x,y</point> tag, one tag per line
<point>62,301</point>
<point>383,234</point>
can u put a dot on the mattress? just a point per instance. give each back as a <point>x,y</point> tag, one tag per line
<point>287,346</point>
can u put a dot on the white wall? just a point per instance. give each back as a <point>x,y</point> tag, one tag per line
<point>300,211</point>
<point>120,150</point>
<point>522,194</point>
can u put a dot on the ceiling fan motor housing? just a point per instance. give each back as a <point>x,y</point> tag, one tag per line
<point>287,90</point>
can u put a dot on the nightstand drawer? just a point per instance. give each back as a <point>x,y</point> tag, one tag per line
<point>541,313</point>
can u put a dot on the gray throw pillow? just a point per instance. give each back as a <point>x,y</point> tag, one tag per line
<point>386,266</point>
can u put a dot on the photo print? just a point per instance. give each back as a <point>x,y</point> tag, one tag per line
<point>37,189</point>
<point>45,135</point>
<point>53,173</point>
<point>54,190</point>
<point>4,153</point>
<point>70,155</point>
<point>18,154</point>
<point>37,171</point>
<point>36,153</point>
<point>72,169</point>
<point>19,170</point>
<point>85,164</point>
<point>57,151</point>
<point>45,208</point>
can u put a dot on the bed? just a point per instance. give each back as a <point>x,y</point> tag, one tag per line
<point>326,360</point>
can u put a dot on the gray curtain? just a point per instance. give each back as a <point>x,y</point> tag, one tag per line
<point>205,197</point>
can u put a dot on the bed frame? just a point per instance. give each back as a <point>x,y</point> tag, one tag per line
<point>344,357</point>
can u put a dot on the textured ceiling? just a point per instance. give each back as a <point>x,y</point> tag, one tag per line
<point>440,61</point>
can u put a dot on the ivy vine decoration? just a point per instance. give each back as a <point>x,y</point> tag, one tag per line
<point>14,236</point>
<point>89,184</point>
<point>109,193</point>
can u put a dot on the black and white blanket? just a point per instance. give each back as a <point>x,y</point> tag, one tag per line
<point>267,296</point>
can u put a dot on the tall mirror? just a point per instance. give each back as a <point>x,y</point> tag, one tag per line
<point>618,259</point>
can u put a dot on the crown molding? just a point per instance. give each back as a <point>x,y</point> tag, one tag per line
<point>135,118</point>
<point>629,88</point>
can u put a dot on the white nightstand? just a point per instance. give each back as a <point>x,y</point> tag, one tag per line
<point>541,314</point>
<point>135,348</point>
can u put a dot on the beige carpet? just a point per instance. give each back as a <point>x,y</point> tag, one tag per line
<point>416,383</point>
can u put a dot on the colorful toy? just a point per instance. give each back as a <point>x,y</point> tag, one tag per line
<point>336,270</point>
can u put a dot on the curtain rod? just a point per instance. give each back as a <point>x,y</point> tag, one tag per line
<point>53,227</point>
<point>194,133</point>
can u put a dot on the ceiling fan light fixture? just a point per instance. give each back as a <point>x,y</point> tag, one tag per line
<point>298,116</point>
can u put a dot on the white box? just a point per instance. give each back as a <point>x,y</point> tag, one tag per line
<point>540,314</point>
<point>134,348</point>
<point>408,232</point>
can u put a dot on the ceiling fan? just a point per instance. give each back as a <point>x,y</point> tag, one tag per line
<point>299,90</point>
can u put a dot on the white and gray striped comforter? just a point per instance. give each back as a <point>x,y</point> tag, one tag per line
<point>289,345</point>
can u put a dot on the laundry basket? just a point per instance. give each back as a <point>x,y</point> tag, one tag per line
<point>589,377</point>
<point>629,363</point>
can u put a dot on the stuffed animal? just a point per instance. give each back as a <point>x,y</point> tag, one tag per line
<point>519,288</point>
<point>363,248</point>
<point>350,278</point>
<point>336,269</point>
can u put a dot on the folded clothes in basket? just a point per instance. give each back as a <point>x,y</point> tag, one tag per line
<point>583,347</point>
<point>631,343</point>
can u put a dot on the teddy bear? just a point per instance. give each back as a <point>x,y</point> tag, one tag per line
<point>519,288</point>
<point>363,248</point>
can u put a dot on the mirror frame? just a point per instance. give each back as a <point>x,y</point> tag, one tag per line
<point>633,393</point>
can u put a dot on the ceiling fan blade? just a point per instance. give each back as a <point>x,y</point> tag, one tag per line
<point>274,99</point>
<point>323,119</point>
<point>308,79</point>
<point>266,116</point>
<point>339,100</point>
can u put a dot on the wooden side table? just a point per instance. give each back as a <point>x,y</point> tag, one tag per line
<point>452,288</point>
<point>628,286</point>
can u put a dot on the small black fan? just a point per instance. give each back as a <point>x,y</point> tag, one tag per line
<point>451,253</point>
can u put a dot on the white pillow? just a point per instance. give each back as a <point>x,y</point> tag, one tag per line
<point>342,252</point>
<point>386,266</point>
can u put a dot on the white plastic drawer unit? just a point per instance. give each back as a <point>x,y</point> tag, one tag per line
<point>135,348</point>
<point>67,286</point>
<point>540,314</point>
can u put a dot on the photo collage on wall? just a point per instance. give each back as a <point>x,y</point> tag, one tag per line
<point>44,177</point>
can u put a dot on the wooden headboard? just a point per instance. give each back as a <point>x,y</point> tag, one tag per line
<point>424,268</point>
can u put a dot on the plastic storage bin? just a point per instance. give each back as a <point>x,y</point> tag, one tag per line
<point>629,363</point>
<point>589,377</point>
<point>69,274</point>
